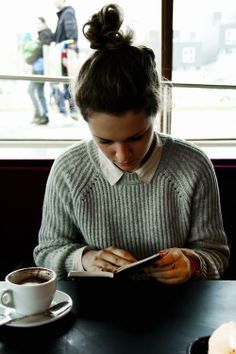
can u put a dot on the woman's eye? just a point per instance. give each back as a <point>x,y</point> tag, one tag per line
<point>136,138</point>
<point>109,142</point>
<point>105,142</point>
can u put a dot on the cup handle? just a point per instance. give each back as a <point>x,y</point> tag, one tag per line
<point>6,298</point>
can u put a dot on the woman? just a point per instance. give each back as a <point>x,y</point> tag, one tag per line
<point>129,192</point>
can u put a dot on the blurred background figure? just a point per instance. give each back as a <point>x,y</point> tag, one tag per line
<point>66,35</point>
<point>34,57</point>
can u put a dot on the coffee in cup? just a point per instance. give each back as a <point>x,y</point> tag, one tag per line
<point>29,290</point>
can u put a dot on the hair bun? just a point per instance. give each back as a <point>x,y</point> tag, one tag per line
<point>103,30</point>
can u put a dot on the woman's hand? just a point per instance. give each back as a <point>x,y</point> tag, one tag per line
<point>174,267</point>
<point>108,259</point>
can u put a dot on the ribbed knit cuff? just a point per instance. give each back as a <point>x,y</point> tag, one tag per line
<point>77,259</point>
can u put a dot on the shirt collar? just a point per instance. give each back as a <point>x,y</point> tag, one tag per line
<point>145,173</point>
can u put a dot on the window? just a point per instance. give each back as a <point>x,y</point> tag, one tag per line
<point>204,77</point>
<point>188,55</point>
<point>16,110</point>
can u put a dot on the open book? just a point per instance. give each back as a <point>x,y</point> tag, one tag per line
<point>123,270</point>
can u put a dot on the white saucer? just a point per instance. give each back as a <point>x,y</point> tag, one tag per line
<point>40,320</point>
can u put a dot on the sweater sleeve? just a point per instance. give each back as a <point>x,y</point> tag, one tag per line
<point>59,237</point>
<point>207,237</point>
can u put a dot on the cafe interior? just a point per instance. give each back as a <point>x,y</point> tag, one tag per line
<point>123,316</point>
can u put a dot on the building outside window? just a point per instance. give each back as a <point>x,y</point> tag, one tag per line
<point>204,112</point>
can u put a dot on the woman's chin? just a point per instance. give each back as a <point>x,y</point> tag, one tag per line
<point>127,167</point>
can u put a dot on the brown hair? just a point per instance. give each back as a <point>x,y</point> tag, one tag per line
<point>118,76</point>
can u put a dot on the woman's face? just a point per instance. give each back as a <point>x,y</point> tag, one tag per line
<point>125,139</point>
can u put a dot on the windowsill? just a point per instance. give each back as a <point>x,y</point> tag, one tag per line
<point>33,150</point>
<point>49,150</point>
<point>218,149</point>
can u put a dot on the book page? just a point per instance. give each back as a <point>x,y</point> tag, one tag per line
<point>139,264</point>
<point>128,268</point>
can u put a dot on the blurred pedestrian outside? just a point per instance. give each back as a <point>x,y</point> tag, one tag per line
<point>33,54</point>
<point>66,35</point>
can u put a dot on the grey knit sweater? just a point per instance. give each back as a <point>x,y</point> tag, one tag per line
<point>179,208</point>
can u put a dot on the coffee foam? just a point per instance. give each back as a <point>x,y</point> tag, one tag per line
<point>31,275</point>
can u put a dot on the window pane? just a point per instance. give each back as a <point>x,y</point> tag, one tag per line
<point>204,51</point>
<point>200,113</point>
<point>16,115</point>
<point>204,41</point>
<point>16,109</point>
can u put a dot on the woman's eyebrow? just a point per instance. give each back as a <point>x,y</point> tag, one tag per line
<point>99,137</point>
<point>130,137</point>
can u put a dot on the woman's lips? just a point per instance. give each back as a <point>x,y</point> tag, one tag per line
<point>125,165</point>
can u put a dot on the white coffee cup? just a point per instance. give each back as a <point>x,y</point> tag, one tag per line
<point>29,290</point>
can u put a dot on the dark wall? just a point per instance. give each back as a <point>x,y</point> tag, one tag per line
<point>22,185</point>
<point>226,176</point>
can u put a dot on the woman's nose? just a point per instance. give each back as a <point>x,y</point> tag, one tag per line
<point>122,152</point>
